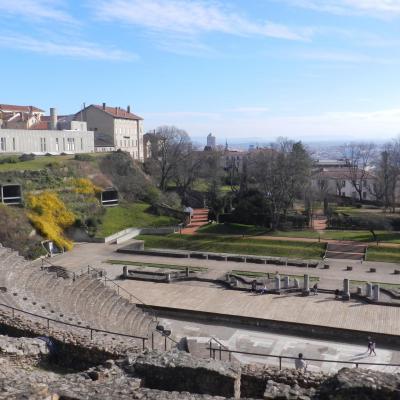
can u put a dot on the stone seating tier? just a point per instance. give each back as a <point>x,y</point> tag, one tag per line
<point>85,301</point>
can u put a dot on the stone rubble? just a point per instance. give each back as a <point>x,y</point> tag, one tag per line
<point>26,373</point>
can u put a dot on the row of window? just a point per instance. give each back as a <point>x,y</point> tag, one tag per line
<point>126,131</point>
<point>128,143</point>
<point>69,145</point>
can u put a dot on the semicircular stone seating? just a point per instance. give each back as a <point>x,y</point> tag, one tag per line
<point>84,301</point>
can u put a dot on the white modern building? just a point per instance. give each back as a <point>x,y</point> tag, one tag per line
<point>24,129</point>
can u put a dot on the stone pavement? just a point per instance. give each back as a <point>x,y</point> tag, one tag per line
<point>258,341</point>
<point>321,310</point>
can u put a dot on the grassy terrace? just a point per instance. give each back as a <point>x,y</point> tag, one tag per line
<point>131,215</point>
<point>237,245</point>
<point>251,230</point>
<point>269,275</point>
<point>382,253</point>
<point>35,165</point>
<point>391,286</point>
<point>152,265</point>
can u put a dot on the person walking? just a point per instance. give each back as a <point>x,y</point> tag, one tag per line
<point>300,363</point>
<point>315,289</point>
<point>371,346</point>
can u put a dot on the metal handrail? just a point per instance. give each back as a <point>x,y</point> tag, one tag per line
<point>226,350</point>
<point>212,350</point>
<point>87,328</point>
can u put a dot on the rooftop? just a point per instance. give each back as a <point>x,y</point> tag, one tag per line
<point>118,112</point>
<point>15,108</point>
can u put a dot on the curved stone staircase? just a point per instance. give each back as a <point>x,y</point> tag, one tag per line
<point>84,301</point>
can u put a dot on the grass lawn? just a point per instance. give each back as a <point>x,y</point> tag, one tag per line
<point>382,253</point>
<point>252,230</point>
<point>232,229</point>
<point>381,284</point>
<point>34,165</point>
<point>41,162</point>
<point>236,245</point>
<point>131,215</point>
<point>152,265</point>
<point>269,275</point>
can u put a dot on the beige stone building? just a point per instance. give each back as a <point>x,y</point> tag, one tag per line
<point>114,128</point>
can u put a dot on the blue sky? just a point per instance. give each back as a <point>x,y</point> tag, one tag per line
<point>304,69</point>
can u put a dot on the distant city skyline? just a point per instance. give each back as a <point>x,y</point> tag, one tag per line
<point>304,69</point>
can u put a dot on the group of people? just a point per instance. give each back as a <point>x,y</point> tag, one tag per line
<point>254,289</point>
<point>301,364</point>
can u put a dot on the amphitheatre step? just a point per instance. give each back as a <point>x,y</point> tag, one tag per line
<point>344,256</point>
<point>353,248</point>
<point>84,301</point>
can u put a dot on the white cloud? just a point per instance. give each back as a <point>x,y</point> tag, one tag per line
<point>36,9</point>
<point>374,8</point>
<point>191,18</point>
<point>81,50</point>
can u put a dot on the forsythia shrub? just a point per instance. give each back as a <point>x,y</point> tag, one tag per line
<point>50,217</point>
<point>84,186</point>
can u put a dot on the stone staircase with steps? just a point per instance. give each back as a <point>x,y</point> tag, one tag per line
<point>84,301</point>
<point>199,219</point>
<point>346,251</point>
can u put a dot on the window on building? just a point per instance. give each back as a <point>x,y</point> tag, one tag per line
<point>43,147</point>
<point>13,143</point>
<point>364,195</point>
<point>120,143</point>
<point>81,143</point>
<point>3,144</point>
<point>70,144</point>
<point>64,144</point>
<point>343,183</point>
<point>57,145</point>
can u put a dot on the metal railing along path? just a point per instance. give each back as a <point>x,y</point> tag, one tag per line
<point>89,329</point>
<point>223,349</point>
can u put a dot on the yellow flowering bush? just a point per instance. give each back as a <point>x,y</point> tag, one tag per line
<point>49,215</point>
<point>84,186</point>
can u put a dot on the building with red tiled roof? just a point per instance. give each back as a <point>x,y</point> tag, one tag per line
<point>14,109</point>
<point>114,127</point>
<point>341,181</point>
<point>19,117</point>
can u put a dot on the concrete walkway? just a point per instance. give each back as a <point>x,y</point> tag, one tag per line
<point>258,341</point>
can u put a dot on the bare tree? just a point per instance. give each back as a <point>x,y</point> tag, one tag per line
<point>170,147</point>
<point>282,174</point>
<point>387,175</point>
<point>359,157</point>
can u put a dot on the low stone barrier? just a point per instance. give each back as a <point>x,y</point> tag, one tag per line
<point>361,384</point>
<point>179,371</point>
<point>75,351</point>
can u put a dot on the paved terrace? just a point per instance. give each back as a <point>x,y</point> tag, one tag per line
<point>259,341</point>
<point>95,254</point>
<point>320,310</point>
